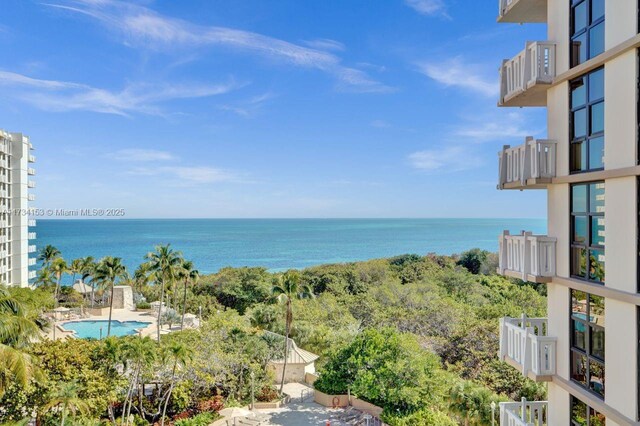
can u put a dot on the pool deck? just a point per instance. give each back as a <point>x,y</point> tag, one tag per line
<point>118,315</point>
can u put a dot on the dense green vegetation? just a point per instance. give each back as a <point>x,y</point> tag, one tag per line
<point>416,335</point>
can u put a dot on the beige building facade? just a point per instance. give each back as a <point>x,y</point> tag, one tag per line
<point>586,75</point>
<point>17,235</point>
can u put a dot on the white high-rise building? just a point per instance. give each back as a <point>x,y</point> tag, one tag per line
<point>586,74</point>
<point>17,251</point>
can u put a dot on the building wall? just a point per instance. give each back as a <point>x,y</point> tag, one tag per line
<point>621,215</point>
<point>295,372</point>
<point>15,207</point>
<point>123,297</point>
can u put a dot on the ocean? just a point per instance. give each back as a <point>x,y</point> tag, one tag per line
<point>277,244</point>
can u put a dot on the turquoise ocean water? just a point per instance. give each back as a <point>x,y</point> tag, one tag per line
<point>277,244</point>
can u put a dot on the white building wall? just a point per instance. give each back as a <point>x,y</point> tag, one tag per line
<point>14,220</point>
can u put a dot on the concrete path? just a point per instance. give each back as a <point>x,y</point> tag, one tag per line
<point>305,414</point>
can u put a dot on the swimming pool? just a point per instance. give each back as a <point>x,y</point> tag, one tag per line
<point>98,328</point>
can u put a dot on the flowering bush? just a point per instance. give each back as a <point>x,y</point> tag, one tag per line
<point>213,404</point>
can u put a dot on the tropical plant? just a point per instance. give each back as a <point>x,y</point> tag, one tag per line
<point>109,270</point>
<point>47,254</point>
<point>285,289</point>
<point>45,278</point>
<point>164,262</point>
<point>87,269</point>
<point>58,267</point>
<point>138,354</point>
<point>17,330</point>
<point>65,400</point>
<point>190,275</point>
<point>179,354</point>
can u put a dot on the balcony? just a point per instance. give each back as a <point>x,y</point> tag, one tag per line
<point>521,11</point>
<point>32,261</point>
<point>31,235</point>
<point>524,80</point>
<point>527,256</point>
<point>31,172</point>
<point>32,249</point>
<point>525,345</point>
<point>31,222</point>
<point>31,197</point>
<point>31,184</point>
<point>530,165</point>
<point>32,274</point>
<point>32,158</point>
<point>524,413</point>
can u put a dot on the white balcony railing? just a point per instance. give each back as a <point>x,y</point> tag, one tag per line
<point>525,78</point>
<point>32,235</point>
<point>32,158</point>
<point>521,11</point>
<point>31,184</point>
<point>524,413</point>
<point>32,249</point>
<point>31,222</point>
<point>32,261</point>
<point>526,343</point>
<point>527,256</point>
<point>31,171</point>
<point>31,197</point>
<point>535,159</point>
<point>32,274</point>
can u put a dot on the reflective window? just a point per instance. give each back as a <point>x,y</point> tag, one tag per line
<point>583,415</point>
<point>588,232</point>
<point>587,30</point>
<point>588,341</point>
<point>587,122</point>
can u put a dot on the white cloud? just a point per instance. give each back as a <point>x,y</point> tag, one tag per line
<point>456,73</point>
<point>429,7</point>
<point>325,44</point>
<point>52,95</point>
<point>447,159</point>
<point>143,27</point>
<point>505,126</point>
<point>249,107</point>
<point>141,155</point>
<point>187,174</point>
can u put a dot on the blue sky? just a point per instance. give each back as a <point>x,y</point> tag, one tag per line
<point>288,108</point>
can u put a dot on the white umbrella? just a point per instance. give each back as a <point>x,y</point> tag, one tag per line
<point>236,412</point>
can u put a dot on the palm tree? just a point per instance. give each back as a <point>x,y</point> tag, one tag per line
<point>87,268</point>
<point>109,270</point>
<point>45,277</point>
<point>142,276</point>
<point>47,254</point>
<point>189,275</point>
<point>18,328</point>
<point>58,267</point>
<point>65,397</point>
<point>181,354</point>
<point>164,263</point>
<point>75,268</point>
<point>285,289</point>
<point>139,353</point>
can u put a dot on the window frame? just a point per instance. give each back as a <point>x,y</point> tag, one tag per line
<point>587,352</point>
<point>573,4</point>
<point>588,246</point>
<point>587,106</point>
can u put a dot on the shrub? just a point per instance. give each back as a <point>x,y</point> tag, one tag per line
<point>473,259</point>
<point>143,305</point>
<point>203,419</point>
<point>213,404</point>
<point>267,394</point>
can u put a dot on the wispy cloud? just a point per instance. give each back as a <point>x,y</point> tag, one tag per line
<point>143,27</point>
<point>250,107</point>
<point>188,174</point>
<point>141,155</point>
<point>447,159</point>
<point>494,128</point>
<point>380,124</point>
<point>53,95</point>
<point>429,7</point>
<point>455,72</point>
<point>325,44</point>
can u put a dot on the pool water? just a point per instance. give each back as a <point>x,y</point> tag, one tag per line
<point>98,328</point>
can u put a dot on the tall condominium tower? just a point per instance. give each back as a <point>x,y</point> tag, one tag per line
<point>586,75</point>
<point>16,239</point>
